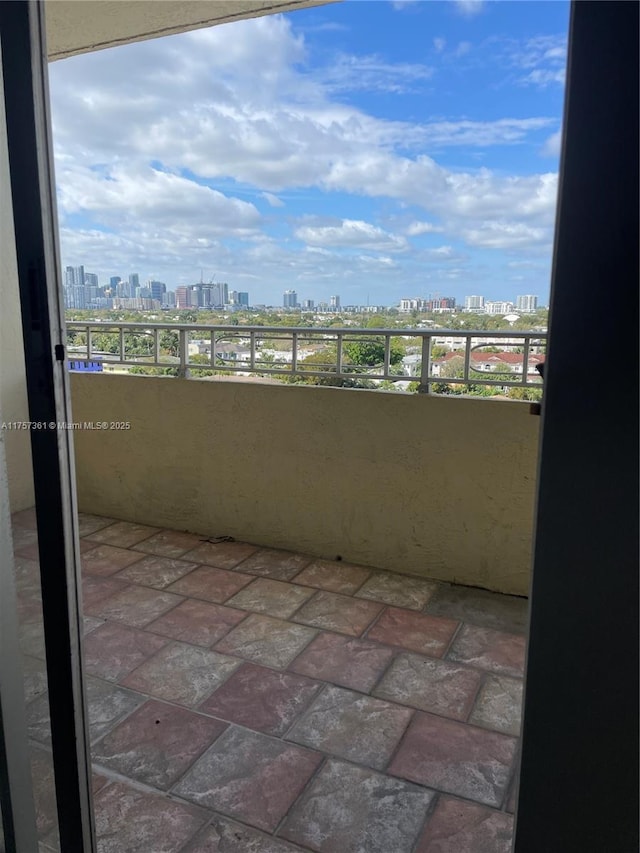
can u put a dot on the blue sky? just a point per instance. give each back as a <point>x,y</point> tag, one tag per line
<point>373,150</point>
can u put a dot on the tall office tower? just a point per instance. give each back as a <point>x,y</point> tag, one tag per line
<point>157,289</point>
<point>74,276</point>
<point>114,281</point>
<point>290,299</point>
<point>182,297</point>
<point>309,304</point>
<point>527,304</point>
<point>243,299</point>
<point>79,298</point>
<point>169,299</point>
<point>134,281</point>
<point>335,303</point>
<point>207,296</point>
<point>474,303</point>
<point>91,279</point>
<point>219,294</point>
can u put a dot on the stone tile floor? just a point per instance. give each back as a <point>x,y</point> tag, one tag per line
<point>247,700</point>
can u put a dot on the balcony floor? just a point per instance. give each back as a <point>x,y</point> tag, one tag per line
<point>245,700</point>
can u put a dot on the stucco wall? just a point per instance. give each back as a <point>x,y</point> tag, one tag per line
<point>427,486</point>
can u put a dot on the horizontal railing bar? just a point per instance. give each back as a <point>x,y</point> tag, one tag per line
<point>253,340</point>
<point>81,325</point>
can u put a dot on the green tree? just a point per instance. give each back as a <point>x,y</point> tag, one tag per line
<point>169,343</point>
<point>324,361</point>
<point>438,351</point>
<point>200,358</point>
<point>533,394</point>
<point>369,353</point>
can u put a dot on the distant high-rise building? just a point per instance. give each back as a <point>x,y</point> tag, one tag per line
<point>114,281</point>
<point>439,304</point>
<point>91,279</point>
<point>527,304</point>
<point>335,303</point>
<point>157,289</point>
<point>474,303</point>
<point>134,281</point>
<point>74,276</point>
<point>290,299</point>
<point>169,299</point>
<point>498,307</point>
<point>309,304</point>
<point>182,297</point>
<point>77,296</point>
<point>239,298</point>
<point>219,294</point>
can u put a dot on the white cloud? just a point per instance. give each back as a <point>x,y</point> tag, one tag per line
<point>463,48</point>
<point>439,44</point>
<point>130,196</point>
<point>543,77</point>
<point>551,147</point>
<point>417,228</point>
<point>504,235</point>
<point>272,199</point>
<point>372,73</point>
<point>506,131</point>
<point>351,233</point>
<point>469,8</point>
<point>544,59</point>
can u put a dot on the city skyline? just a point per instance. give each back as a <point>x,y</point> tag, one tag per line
<point>377,149</point>
<point>128,293</point>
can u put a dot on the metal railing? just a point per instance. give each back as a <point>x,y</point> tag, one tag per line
<point>300,353</point>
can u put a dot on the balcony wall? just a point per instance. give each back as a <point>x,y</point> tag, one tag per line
<point>435,487</point>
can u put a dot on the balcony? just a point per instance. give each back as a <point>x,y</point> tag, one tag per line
<point>581,715</point>
<point>312,592</point>
<point>245,698</point>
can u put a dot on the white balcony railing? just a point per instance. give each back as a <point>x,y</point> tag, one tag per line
<point>299,353</point>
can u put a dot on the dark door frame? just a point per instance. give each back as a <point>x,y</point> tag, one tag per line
<point>28,125</point>
<point>579,777</point>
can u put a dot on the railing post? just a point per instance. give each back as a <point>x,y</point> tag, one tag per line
<point>89,347</point>
<point>525,361</point>
<point>425,366</point>
<point>156,346</point>
<point>183,370</point>
<point>386,367</point>
<point>121,344</point>
<point>467,362</point>
<point>339,355</point>
<point>294,354</point>
<point>213,349</point>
